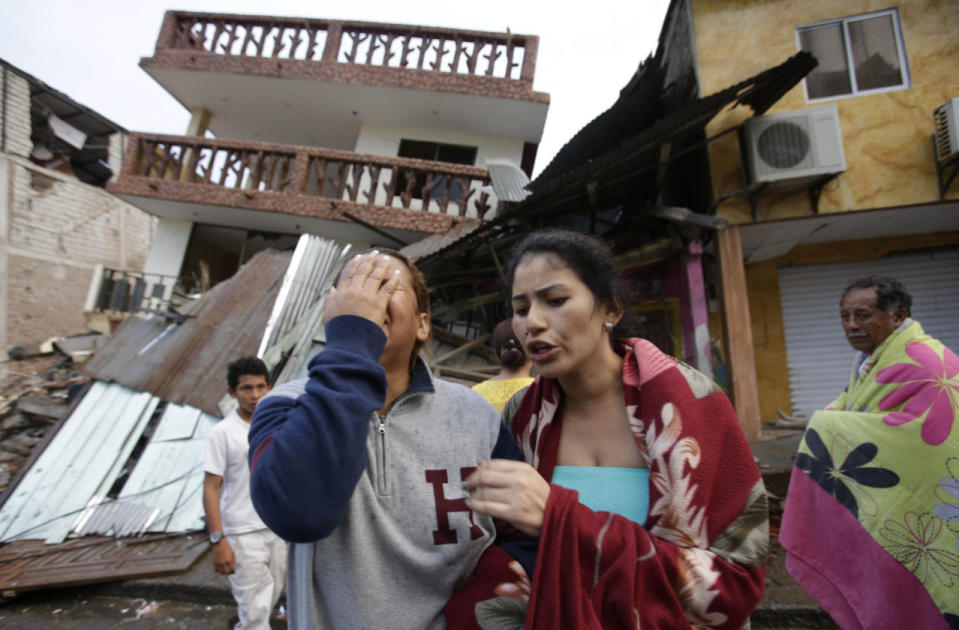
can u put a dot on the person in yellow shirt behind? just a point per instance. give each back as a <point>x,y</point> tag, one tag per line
<point>514,367</point>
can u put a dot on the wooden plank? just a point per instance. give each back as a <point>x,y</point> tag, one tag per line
<point>42,406</point>
<point>29,565</point>
<point>466,347</point>
<point>462,374</point>
<point>738,331</point>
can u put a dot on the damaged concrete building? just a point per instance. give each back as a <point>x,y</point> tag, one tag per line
<point>368,133</point>
<point>57,223</point>
<point>400,122</point>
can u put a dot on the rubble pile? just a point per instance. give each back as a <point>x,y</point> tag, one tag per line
<point>34,394</point>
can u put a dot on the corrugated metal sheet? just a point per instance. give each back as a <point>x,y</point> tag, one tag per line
<point>509,181</point>
<point>818,354</point>
<point>27,565</point>
<point>63,491</point>
<point>106,517</point>
<point>307,278</point>
<point>81,461</point>
<point>187,365</point>
<point>169,473</point>
<point>436,243</point>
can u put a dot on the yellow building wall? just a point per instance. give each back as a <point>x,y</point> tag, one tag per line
<point>765,310</point>
<point>886,136</point>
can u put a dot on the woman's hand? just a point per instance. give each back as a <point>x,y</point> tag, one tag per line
<point>509,490</point>
<point>365,287</point>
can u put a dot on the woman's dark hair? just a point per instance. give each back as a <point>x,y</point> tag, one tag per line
<point>502,334</point>
<point>891,295</point>
<point>419,290</point>
<point>245,365</point>
<point>590,258</point>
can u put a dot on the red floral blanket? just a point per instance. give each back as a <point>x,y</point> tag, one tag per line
<point>697,561</point>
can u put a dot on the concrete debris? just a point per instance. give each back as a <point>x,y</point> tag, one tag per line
<point>81,347</point>
<point>35,349</point>
<point>34,394</point>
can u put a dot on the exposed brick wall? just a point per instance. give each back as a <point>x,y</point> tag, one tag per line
<point>45,299</point>
<point>56,216</point>
<point>59,229</point>
<point>16,122</point>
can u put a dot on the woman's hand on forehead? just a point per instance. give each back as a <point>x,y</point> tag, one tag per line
<point>364,288</point>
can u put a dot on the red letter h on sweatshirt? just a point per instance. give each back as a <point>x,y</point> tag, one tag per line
<point>444,535</point>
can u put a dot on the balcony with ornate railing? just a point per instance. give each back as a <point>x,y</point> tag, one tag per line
<point>300,183</point>
<point>409,56</point>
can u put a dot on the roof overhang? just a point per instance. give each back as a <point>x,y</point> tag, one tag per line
<point>771,239</point>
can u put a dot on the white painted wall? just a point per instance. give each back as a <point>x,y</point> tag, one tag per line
<point>170,240</point>
<point>385,140</point>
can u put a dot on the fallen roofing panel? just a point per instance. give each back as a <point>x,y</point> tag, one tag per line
<point>64,492</point>
<point>27,565</point>
<point>187,364</point>
<point>81,461</point>
<point>169,473</point>
<point>307,279</point>
<point>106,517</point>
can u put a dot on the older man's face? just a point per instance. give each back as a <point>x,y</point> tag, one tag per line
<point>866,325</point>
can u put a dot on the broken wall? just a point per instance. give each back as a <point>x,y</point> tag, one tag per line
<point>54,230</point>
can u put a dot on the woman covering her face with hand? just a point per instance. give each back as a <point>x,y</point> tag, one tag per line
<point>640,484</point>
<point>360,466</point>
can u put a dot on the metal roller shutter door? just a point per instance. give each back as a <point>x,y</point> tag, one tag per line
<point>818,354</point>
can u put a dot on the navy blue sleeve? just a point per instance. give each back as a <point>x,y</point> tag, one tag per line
<point>307,454</point>
<point>506,445</point>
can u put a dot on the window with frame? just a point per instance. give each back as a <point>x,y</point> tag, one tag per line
<point>437,152</point>
<point>858,54</point>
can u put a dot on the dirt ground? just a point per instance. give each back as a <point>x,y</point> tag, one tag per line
<point>83,610</point>
<point>198,600</point>
<point>91,609</point>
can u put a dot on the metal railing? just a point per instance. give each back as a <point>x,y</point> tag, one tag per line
<point>255,167</point>
<point>470,53</point>
<point>123,291</point>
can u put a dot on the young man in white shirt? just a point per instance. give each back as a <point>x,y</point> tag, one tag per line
<point>249,554</point>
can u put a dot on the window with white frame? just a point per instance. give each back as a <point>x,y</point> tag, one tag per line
<point>858,54</point>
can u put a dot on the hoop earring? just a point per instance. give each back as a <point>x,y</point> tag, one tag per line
<point>609,327</point>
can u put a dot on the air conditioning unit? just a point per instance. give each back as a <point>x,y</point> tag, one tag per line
<point>946,119</point>
<point>794,147</point>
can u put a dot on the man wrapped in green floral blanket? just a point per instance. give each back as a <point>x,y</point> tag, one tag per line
<point>871,524</point>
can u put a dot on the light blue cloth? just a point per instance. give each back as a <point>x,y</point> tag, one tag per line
<point>623,491</point>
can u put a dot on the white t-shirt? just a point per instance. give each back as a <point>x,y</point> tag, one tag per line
<point>226,455</point>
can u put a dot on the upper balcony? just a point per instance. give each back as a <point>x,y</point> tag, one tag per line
<point>316,82</point>
<point>294,189</point>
